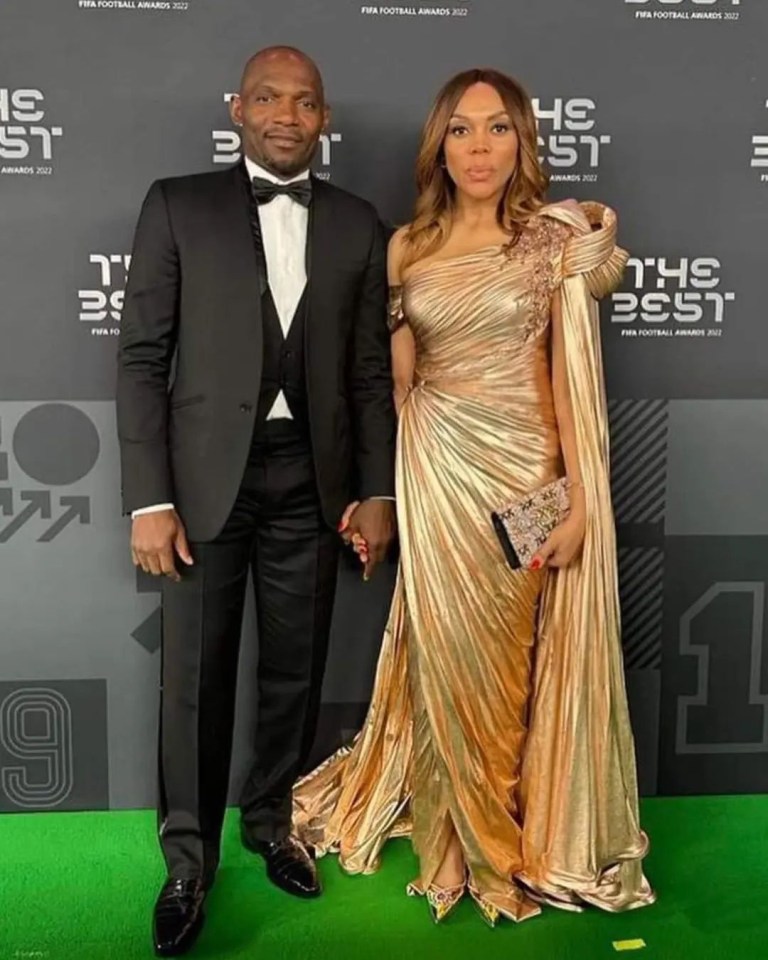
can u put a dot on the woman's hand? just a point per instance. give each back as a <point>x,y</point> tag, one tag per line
<point>344,531</point>
<point>564,543</point>
<point>377,518</point>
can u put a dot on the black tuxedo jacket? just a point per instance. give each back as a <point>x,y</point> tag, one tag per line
<point>190,351</point>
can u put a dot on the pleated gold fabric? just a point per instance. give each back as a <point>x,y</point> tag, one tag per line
<point>499,707</point>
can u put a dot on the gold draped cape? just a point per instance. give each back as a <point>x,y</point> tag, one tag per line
<point>542,790</point>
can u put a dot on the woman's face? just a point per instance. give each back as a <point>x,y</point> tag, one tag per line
<point>481,145</point>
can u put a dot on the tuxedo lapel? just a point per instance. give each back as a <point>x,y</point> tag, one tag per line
<point>238,279</point>
<point>320,246</point>
<point>236,238</point>
<point>319,343</point>
<point>320,232</point>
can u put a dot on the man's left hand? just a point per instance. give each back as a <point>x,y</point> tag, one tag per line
<point>371,529</point>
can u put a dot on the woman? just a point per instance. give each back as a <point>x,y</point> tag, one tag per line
<point>498,735</point>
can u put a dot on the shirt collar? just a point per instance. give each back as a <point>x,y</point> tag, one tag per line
<point>255,170</point>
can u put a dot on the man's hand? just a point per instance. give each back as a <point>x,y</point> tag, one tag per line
<point>155,537</point>
<point>371,529</point>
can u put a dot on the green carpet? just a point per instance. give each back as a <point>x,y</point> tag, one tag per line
<point>80,886</point>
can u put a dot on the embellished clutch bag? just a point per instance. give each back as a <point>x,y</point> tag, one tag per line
<point>524,525</point>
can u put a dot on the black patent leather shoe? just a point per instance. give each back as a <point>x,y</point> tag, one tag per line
<point>178,916</point>
<point>290,865</point>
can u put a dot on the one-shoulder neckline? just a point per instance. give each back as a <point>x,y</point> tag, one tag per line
<point>459,256</point>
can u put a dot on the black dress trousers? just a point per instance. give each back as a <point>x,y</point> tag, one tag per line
<point>275,530</point>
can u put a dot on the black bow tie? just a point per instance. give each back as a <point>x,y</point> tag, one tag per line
<point>265,190</point>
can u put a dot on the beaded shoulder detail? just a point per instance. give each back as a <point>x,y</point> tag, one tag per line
<point>395,313</point>
<point>542,242</point>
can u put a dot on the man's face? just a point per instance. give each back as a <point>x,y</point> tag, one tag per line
<point>281,110</point>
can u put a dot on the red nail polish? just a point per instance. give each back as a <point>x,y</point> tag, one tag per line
<point>536,564</point>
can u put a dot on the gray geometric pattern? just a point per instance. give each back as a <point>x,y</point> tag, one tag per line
<point>714,674</point>
<point>638,459</point>
<point>717,468</point>
<point>688,648</point>
<point>641,592</point>
<point>53,745</point>
<point>148,631</point>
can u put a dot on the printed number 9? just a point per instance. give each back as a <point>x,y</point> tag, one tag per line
<point>43,743</point>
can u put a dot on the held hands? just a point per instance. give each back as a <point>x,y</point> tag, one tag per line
<point>155,538</point>
<point>370,528</point>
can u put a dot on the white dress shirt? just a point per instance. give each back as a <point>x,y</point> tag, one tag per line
<point>284,234</point>
<point>284,224</point>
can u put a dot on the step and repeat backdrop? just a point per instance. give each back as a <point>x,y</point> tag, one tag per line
<point>656,107</point>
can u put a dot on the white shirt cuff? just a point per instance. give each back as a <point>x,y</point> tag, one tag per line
<point>155,508</point>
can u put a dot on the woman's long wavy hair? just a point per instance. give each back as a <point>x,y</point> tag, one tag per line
<point>435,204</point>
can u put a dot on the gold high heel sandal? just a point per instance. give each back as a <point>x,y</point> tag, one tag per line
<point>440,900</point>
<point>488,912</point>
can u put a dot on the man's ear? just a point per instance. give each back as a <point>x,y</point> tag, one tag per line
<point>236,110</point>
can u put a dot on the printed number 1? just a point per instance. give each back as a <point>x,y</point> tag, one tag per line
<point>715,682</point>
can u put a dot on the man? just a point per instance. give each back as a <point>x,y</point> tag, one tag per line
<point>254,410</point>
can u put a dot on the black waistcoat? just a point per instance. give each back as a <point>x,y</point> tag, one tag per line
<point>283,363</point>
<point>283,359</point>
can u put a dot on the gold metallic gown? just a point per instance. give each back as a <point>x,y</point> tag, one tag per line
<point>499,706</point>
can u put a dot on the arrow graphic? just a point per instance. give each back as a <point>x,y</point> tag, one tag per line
<point>79,508</point>
<point>148,632</point>
<point>6,501</point>
<point>38,501</point>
